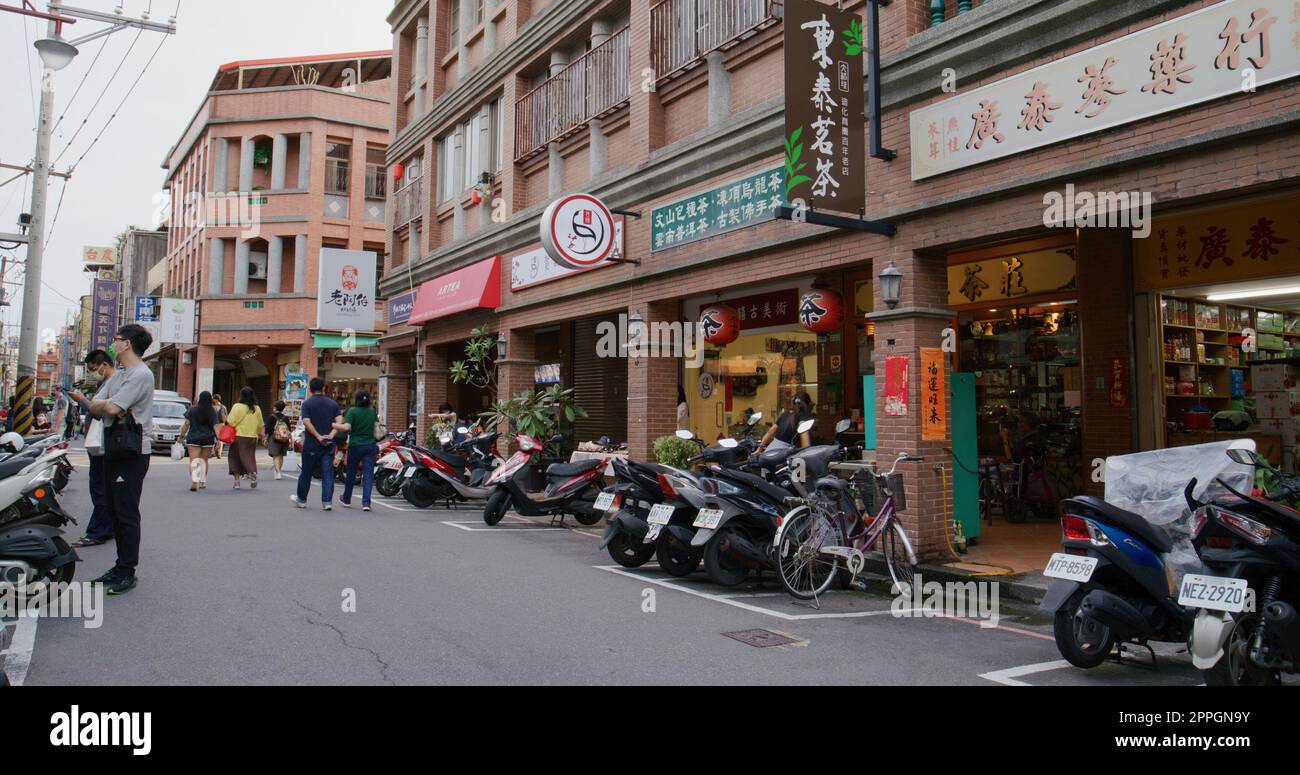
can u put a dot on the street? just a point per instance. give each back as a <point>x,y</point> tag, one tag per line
<point>240,587</point>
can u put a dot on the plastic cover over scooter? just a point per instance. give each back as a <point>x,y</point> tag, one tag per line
<point>1151,484</point>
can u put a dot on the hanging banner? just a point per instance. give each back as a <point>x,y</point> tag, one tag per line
<point>104,313</point>
<point>1192,58</point>
<point>896,386</point>
<point>825,143</point>
<point>345,293</point>
<point>934,400</point>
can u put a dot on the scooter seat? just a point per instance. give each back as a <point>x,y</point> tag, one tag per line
<point>1120,518</point>
<point>573,469</point>
<point>455,461</point>
<point>13,465</point>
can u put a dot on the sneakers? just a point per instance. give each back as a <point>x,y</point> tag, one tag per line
<point>108,578</point>
<point>365,508</point>
<point>296,502</point>
<point>326,507</point>
<point>277,476</point>
<point>116,581</point>
<point>346,505</point>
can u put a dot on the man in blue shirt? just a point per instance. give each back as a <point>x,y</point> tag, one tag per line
<point>319,413</point>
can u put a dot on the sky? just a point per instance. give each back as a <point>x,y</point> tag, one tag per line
<point>115,184</point>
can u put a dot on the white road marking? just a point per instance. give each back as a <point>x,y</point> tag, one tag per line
<point>1008,676</point>
<point>391,506</point>
<point>732,601</point>
<point>18,657</point>
<point>464,525</point>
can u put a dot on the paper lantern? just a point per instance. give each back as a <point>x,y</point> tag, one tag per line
<point>721,324</point>
<point>821,311</point>
<point>398,171</point>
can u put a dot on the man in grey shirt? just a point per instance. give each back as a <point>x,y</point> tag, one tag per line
<point>130,389</point>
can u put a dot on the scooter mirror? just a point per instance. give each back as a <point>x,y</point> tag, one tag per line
<point>728,443</point>
<point>842,425</point>
<point>806,426</point>
<point>755,417</point>
<point>462,429</point>
<point>444,438</point>
<point>1244,456</point>
<point>682,433</point>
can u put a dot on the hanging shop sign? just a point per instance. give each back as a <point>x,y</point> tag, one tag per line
<point>824,113</point>
<point>577,231</point>
<point>1029,274</point>
<point>295,386</point>
<point>934,397</point>
<point>176,319</point>
<point>736,205</point>
<point>720,324</point>
<point>1193,58</point>
<point>104,313</point>
<point>345,292</point>
<point>400,307</point>
<point>778,308</point>
<point>896,387</point>
<point>821,311</point>
<point>146,309</point>
<point>95,257</point>
<point>535,266</point>
<point>1255,239</point>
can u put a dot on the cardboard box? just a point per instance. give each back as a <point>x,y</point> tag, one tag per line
<point>1277,404</point>
<point>1288,429</point>
<point>1272,376</point>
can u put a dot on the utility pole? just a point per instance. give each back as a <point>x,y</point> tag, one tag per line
<point>56,53</point>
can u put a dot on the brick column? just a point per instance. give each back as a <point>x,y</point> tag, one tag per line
<point>651,387</point>
<point>647,114</point>
<point>434,377</point>
<point>515,371</point>
<point>918,321</point>
<point>397,368</point>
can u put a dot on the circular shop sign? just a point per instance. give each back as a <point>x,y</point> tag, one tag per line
<point>577,231</point>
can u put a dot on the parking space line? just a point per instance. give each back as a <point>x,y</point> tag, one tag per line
<point>18,657</point>
<point>1008,676</point>
<point>465,525</point>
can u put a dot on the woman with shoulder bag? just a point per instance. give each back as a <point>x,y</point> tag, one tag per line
<point>200,434</point>
<point>246,418</point>
<point>359,423</point>
<point>279,437</point>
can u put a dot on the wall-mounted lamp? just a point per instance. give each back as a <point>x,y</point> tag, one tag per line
<point>501,346</point>
<point>891,285</point>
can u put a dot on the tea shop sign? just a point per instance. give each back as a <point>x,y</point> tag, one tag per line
<point>1227,48</point>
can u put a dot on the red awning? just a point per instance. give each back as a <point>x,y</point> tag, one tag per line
<point>477,285</point>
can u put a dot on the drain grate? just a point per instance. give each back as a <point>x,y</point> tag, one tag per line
<point>760,638</point>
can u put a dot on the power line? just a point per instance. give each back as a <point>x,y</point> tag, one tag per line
<point>103,92</point>
<point>102,129</point>
<point>102,45</point>
<point>27,60</point>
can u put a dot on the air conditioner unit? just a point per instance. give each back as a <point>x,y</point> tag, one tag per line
<point>257,266</point>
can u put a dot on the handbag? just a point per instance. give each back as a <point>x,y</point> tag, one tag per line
<point>227,434</point>
<point>177,451</point>
<point>95,437</point>
<point>124,439</point>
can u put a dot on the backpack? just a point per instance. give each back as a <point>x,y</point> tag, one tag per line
<point>281,432</point>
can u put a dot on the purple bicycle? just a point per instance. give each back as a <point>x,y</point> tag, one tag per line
<point>830,533</point>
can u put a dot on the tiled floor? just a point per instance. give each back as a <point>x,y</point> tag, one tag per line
<point>1023,548</point>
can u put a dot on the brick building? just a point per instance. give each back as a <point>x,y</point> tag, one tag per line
<point>995,114</point>
<point>283,158</point>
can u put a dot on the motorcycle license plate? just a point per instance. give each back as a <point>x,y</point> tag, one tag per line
<point>1070,567</point>
<point>708,518</point>
<point>1217,593</point>
<point>604,501</point>
<point>652,534</point>
<point>660,513</point>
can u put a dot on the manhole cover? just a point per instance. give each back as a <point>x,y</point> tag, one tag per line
<point>760,638</point>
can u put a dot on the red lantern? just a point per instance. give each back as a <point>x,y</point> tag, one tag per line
<point>821,311</point>
<point>721,324</point>
<point>398,171</point>
<point>476,197</point>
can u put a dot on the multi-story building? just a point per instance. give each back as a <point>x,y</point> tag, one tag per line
<point>47,370</point>
<point>1013,125</point>
<point>284,157</point>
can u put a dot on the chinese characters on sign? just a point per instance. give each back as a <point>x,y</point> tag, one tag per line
<point>778,308</point>
<point>1050,270</point>
<point>345,296</point>
<point>1117,382</point>
<point>934,401</point>
<point>104,314</point>
<point>1187,60</point>
<point>896,385</point>
<point>533,267</point>
<point>740,203</point>
<point>824,92</point>
<point>92,256</point>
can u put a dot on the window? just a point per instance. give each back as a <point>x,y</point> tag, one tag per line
<point>454,27</point>
<point>472,131</point>
<point>448,175</point>
<point>498,142</point>
<point>376,181</point>
<point>478,12</point>
<point>337,167</point>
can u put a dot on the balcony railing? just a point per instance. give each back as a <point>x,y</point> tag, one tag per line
<point>589,87</point>
<point>937,9</point>
<point>408,200</point>
<point>683,32</point>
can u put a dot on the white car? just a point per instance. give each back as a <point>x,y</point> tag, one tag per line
<point>169,410</point>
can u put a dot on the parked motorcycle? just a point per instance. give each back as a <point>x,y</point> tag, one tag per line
<point>1247,630</point>
<point>457,472</point>
<point>32,548</point>
<point>571,488</point>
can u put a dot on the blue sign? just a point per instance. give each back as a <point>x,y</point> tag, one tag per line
<point>399,308</point>
<point>147,309</point>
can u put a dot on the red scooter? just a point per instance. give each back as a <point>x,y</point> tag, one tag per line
<point>571,488</point>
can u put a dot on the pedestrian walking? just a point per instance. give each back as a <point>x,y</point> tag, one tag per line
<point>99,529</point>
<point>200,434</point>
<point>127,401</point>
<point>319,413</point>
<point>222,413</point>
<point>246,418</point>
<point>279,437</point>
<point>359,423</point>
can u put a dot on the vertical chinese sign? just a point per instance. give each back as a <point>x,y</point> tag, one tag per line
<point>896,385</point>
<point>104,313</point>
<point>1117,382</point>
<point>934,384</point>
<point>825,147</point>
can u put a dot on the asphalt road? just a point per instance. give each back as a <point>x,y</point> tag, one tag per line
<point>241,587</point>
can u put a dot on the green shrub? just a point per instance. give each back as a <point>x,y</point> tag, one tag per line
<point>675,452</point>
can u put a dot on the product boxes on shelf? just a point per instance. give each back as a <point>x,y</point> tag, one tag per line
<point>1277,404</point>
<point>1272,376</point>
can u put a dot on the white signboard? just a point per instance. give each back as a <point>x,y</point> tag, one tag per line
<point>534,266</point>
<point>345,294</point>
<point>577,231</point>
<point>176,317</point>
<point>204,381</point>
<point>1228,48</point>
<point>155,330</point>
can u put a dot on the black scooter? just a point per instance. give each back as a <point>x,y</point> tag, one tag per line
<point>32,548</point>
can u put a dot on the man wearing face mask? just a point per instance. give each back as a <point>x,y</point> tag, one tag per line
<point>100,528</point>
<point>130,391</point>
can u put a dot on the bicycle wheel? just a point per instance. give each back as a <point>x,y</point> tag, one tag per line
<point>805,572</point>
<point>899,557</point>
